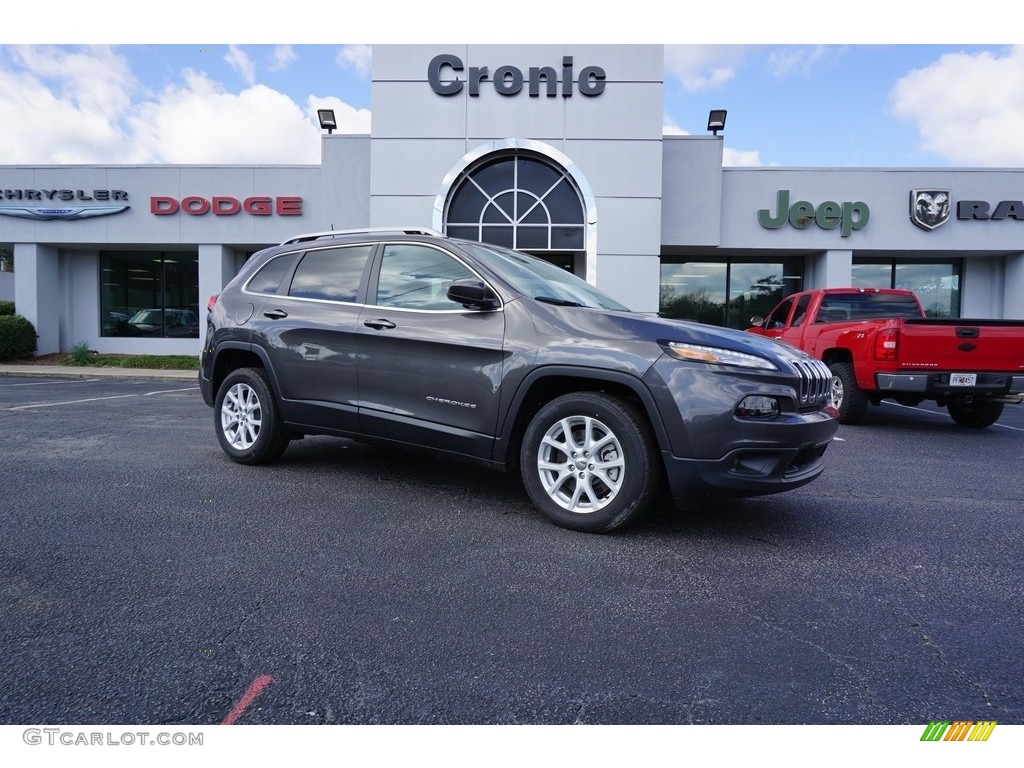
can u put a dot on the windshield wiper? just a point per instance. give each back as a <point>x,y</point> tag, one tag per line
<point>557,302</point>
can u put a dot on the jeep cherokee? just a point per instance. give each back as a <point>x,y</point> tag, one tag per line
<point>408,337</point>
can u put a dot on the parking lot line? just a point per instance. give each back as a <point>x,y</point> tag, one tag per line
<point>93,399</point>
<point>255,689</point>
<point>41,383</point>
<point>934,413</point>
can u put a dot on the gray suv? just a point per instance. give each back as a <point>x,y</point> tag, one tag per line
<point>407,337</point>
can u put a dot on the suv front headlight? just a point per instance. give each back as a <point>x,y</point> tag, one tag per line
<point>701,354</point>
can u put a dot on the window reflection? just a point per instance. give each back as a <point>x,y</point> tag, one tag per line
<point>729,292</point>
<point>936,283</point>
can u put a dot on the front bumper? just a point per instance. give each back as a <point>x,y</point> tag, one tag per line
<point>711,450</point>
<point>744,472</point>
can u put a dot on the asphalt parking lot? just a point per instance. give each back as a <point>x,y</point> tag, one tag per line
<point>145,578</point>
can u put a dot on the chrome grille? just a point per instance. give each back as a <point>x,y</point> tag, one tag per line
<point>815,381</point>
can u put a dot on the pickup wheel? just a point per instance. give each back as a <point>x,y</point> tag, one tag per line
<point>248,423</point>
<point>847,397</point>
<point>590,462</point>
<point>977,413</point>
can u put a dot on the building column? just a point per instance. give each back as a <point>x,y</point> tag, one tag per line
<point>216,268</point>
<point>1013,287</point>
<point>831,269</point>
<point>37,292</point>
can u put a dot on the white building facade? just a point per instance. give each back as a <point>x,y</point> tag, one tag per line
<point>556,150</point>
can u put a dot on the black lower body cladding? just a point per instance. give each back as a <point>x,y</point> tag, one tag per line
<point>712,450</point>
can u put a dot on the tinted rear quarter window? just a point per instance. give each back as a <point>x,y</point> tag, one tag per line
<point>332,274</point>
<point>268,278</point>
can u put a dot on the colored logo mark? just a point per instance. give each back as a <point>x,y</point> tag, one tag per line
<point>958,730</point>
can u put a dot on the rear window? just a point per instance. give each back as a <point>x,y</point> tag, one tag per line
<point>847,307</point>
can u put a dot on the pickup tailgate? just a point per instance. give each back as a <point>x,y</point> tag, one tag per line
<point>962,344</point>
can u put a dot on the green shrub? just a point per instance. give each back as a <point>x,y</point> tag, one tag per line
<point>163,362</point>
<point>17,337</point>
<point>79,354</point>
<point>6,308</point>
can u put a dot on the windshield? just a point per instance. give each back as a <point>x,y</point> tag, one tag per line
<point>540,279</point>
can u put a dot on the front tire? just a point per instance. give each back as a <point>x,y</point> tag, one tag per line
<point>247,420</point>
<point>589,462</point>
<point>847,397</point>
<point>976,414</point>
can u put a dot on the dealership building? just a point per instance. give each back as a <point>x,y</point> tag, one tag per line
<point>556,150</point>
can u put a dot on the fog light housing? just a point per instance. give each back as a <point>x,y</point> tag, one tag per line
<point>758,407</point>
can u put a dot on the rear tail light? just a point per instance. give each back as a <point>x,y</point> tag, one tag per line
<point>886,344</point>
<point>211,302</point>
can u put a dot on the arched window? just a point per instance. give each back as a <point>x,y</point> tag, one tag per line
<point>520,200</point>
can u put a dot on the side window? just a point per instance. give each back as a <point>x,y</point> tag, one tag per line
<point>417,277</point>
<point>777,319</point>
<point>268,278</point>
<point>333,274</point>
<point>801,311</point>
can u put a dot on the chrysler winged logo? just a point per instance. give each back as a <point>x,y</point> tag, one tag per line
<point>47,214</point>
<point>929,208</point>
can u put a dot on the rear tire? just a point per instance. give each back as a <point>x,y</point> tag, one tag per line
<point>247,420</point>
<point>847,397</point>
<point>589,462</point>
<point>976,414</point>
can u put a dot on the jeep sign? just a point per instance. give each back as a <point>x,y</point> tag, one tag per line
<point>829,215</point>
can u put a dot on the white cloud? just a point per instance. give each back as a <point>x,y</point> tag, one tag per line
<point>700,67</point>
<point>350,119</point>
<point>969,108</point>
<point>63,107</point>
<point>357,57</point>
<point>795,59</point>
<point>669,128</point>
<point>76,106</point>
<point>741,157</point>
<point>200,122</point>
<point>283,56</point>
<point>241,63</point>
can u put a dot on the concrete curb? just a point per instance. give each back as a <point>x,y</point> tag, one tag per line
<point>89,372</point>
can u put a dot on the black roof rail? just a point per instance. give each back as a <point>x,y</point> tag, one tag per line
<point>365,231</point>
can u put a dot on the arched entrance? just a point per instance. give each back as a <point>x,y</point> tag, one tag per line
<point>523,195</point>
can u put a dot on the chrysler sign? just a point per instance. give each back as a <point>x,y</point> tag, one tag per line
<point>57,199</point>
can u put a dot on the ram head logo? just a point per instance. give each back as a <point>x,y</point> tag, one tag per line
<point>929,208</point>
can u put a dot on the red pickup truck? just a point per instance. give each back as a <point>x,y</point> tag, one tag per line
<point>879,344</point>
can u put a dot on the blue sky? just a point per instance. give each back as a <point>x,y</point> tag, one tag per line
<point>844,88</point>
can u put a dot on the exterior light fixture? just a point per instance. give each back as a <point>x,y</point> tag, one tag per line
<point>327,119</point>
<point>716,121</point>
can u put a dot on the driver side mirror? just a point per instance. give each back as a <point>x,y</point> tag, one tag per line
<point>757,321</point>
<point>472,294</point>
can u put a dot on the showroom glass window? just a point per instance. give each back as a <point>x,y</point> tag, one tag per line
<point>6,258</point>
<point>727,292</point>
<point>936,282</point>
<point>520,201</point>
<point>149,293</point>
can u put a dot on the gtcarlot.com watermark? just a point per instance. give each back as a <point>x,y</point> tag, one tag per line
<point>74,738</point>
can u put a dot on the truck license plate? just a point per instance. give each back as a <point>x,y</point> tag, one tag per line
<point>963,379</point>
